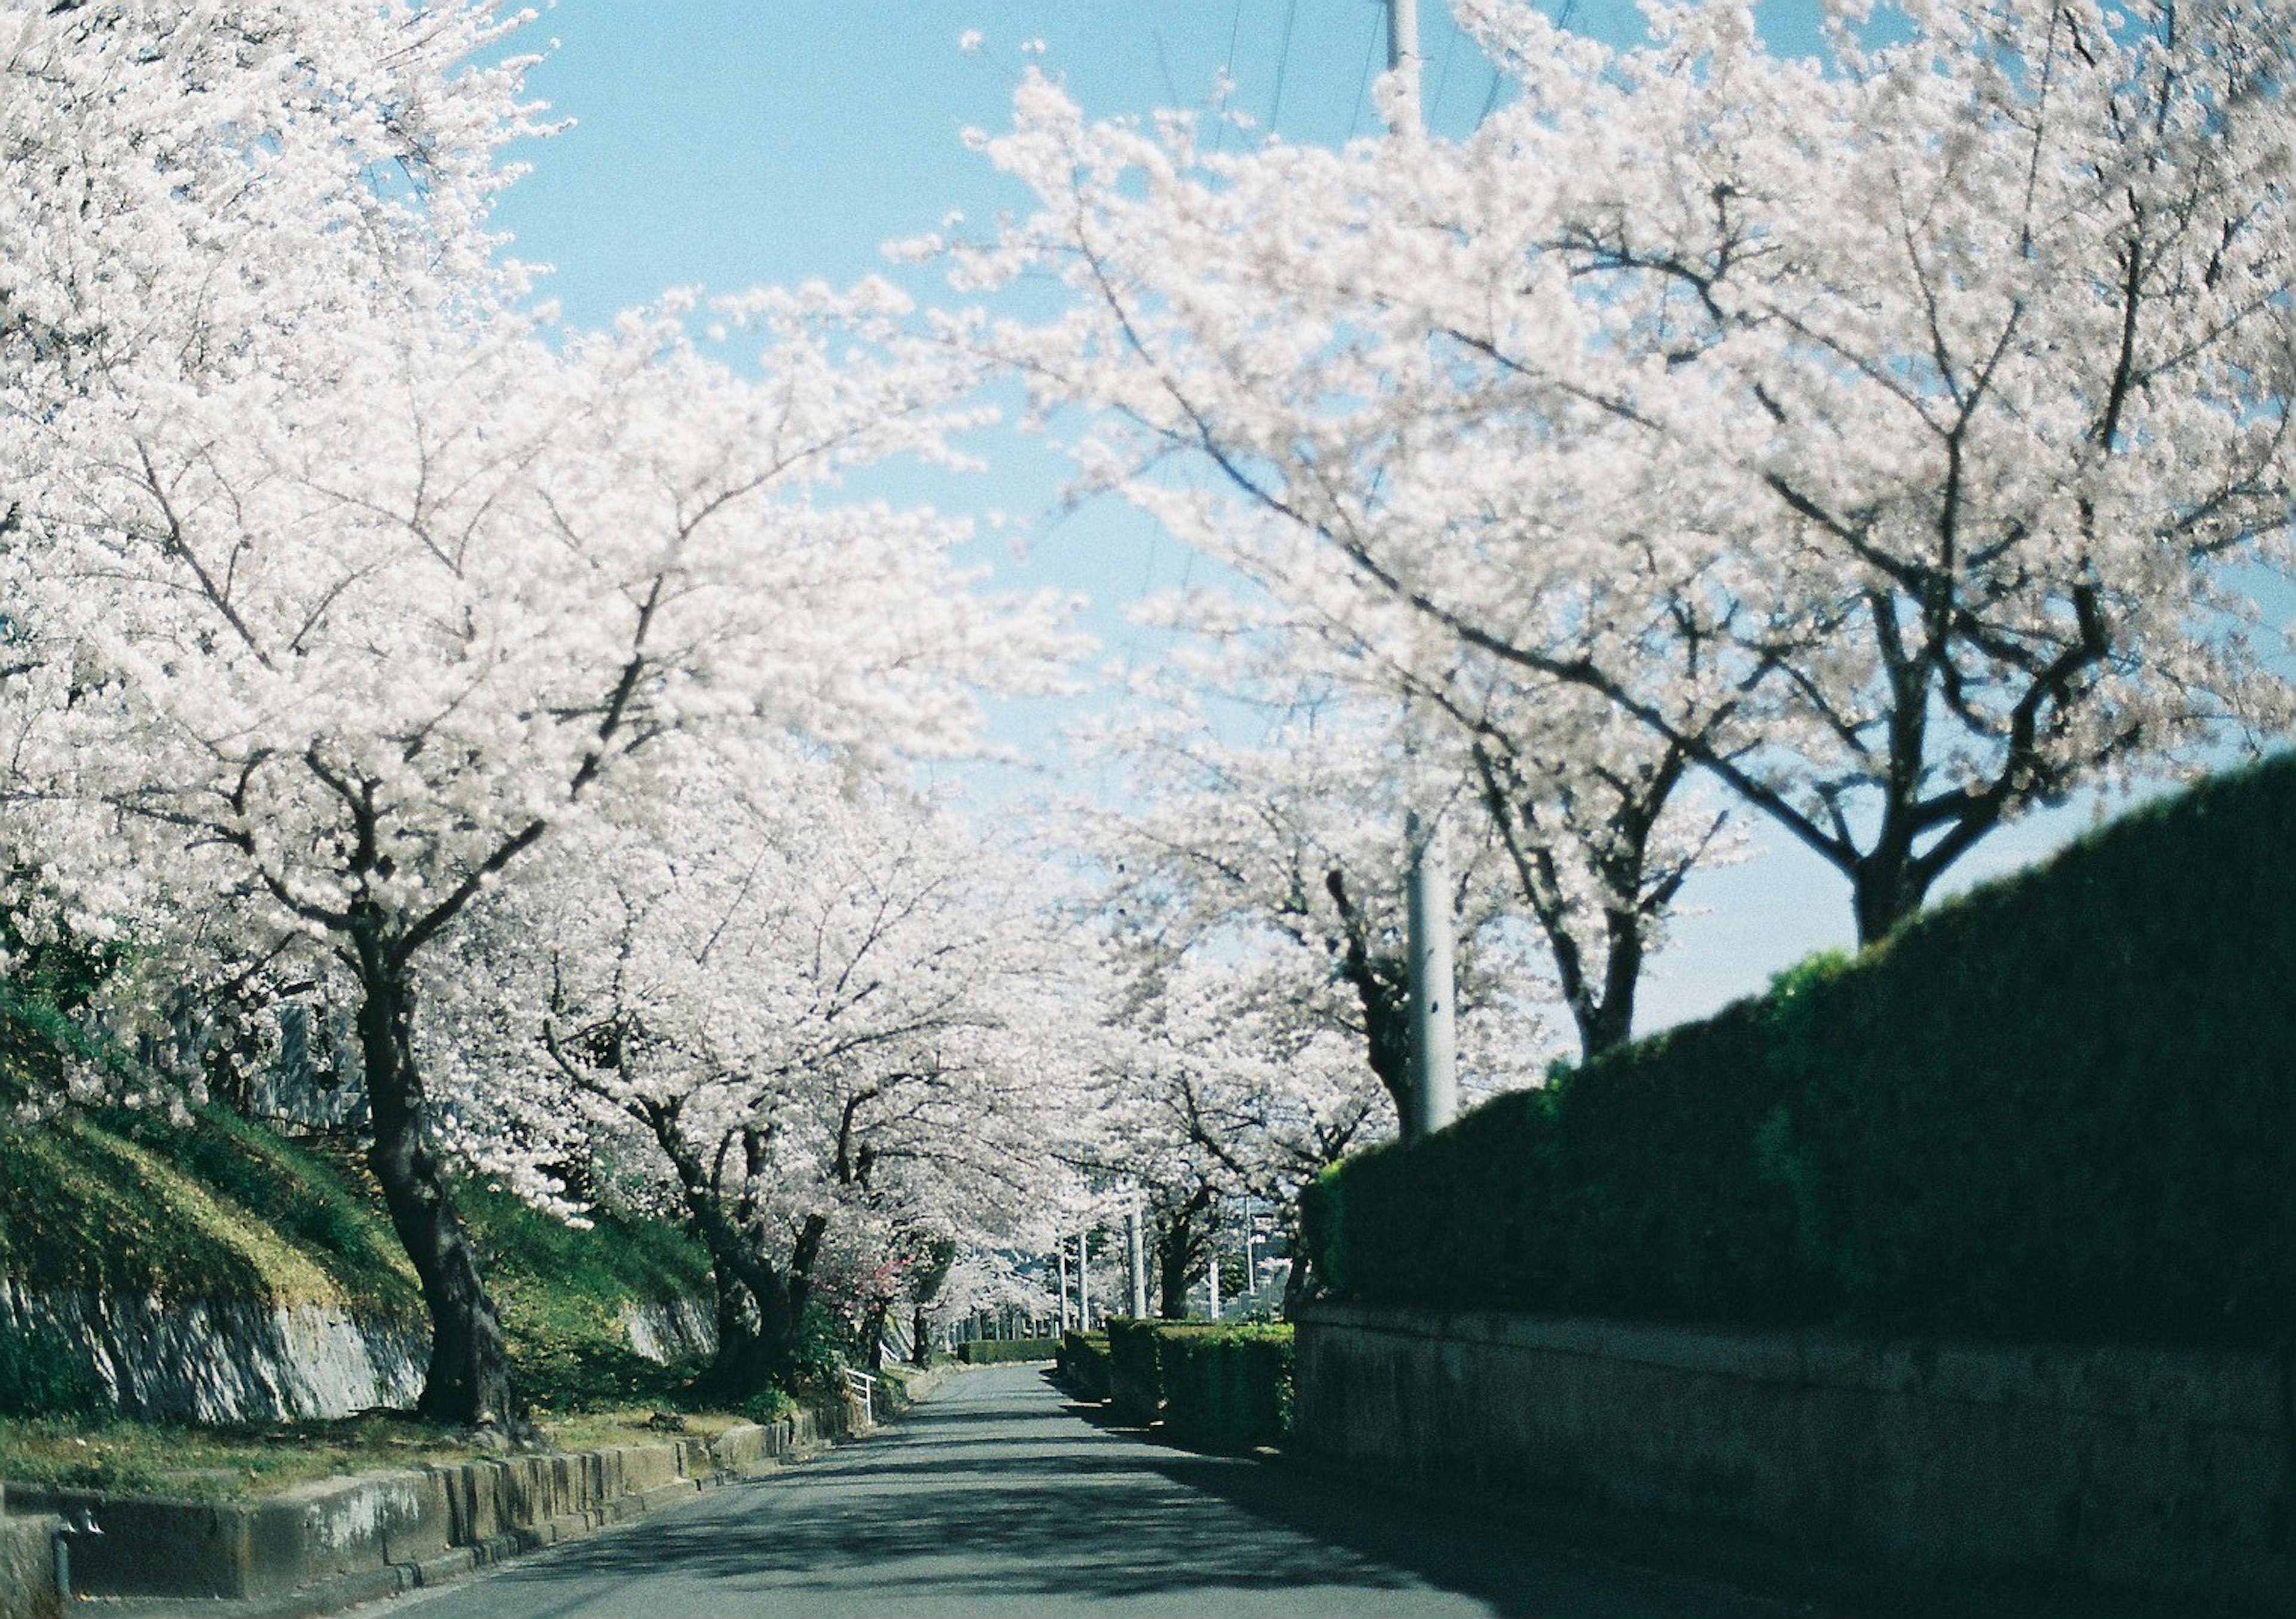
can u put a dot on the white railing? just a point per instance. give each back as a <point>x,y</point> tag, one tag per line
<point>860,1385</point>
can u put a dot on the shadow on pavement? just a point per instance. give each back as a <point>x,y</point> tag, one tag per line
<point>1011,1498</point>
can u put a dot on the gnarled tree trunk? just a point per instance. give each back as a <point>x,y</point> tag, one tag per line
<point>468,1382</point>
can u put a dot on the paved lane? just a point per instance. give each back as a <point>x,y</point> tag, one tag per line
<point>995,1498</point>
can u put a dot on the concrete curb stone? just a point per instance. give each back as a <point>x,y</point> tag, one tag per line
<point>323,1547</point>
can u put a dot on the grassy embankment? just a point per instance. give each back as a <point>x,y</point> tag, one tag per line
<point>127,1205</point>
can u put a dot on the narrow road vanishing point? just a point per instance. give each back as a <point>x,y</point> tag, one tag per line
<point>996,1497</point>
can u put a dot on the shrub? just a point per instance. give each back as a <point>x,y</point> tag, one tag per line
<point>43,1376</point>
<point>1082,1365</point>
<point>2062,1105</point>
<point>1135,1386</point>
<point>1227,1388</point>
<point>990,1351</point>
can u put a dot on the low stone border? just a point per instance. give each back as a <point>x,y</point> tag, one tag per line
<point>2059,1477</point>
<point>336,1543</point>
<point>27,1585</point>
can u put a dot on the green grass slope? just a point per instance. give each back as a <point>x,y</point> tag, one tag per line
<point>125,1202</point>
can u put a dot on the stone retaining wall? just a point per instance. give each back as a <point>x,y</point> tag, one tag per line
<point>354,1538</point>
<point>227,1360</point>
<point>2166,1479</point>
<point>27,1585</point>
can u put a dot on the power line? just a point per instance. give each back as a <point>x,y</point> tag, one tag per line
<point>1492,100</point>
<point>1227,71</point>
<point>1362,80</point>
<point>1282,63</point>
<point>1443,74</point>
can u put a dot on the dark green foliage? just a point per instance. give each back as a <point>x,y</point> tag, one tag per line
<point>1135,1384</point>
<point>1082,1365</point>
<point>823,1352</point>
<point>41,1376</point>
<point>1221,1387</point>
<point>2062,1107</point>
<point>989,1352</point>
<point>1227,1388</point>
<point>560,1290</point>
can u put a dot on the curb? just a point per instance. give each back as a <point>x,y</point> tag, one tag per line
<point>321,1549</point>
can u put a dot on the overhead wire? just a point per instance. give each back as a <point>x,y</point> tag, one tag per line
<point>1282,64</point>
<point>1563,15</point>
<point>1443,74</point>
<point>1228,69</point>
<point>1364,79</point>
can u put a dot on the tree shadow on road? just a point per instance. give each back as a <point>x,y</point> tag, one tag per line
<point>1048,1510</point>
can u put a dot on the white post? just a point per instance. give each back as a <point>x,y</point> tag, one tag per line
<point>1250,1259</point>
<point>1402,52</point>
<point>1133,1236</point>
<point>1061,1256</point>
<point>1434,1076</point>
<point>1211,1280</point>
<point>1083,1279</point>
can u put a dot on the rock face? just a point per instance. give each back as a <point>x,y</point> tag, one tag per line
<point>228,1360</point>
<point>677,1330</point>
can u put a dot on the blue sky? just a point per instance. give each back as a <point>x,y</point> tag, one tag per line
<point>727,142</point>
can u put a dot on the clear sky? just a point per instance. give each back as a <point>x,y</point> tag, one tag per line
<point>726,142</point>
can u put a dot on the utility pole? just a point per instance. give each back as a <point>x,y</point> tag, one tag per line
<point>1434,1075</point>
<point>1434,1071</point>
<point>1083,1279</point>
<point>1402,54</point>
<point>1139,1263</point>
<point>1060,1249</point>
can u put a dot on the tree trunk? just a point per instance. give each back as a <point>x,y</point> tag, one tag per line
<point>920,1338</point>
<point>1886,887</point>
<point>1609,1023</point>
<point>469,1383</point>
<point>1299,1282</point>
<point>873,1323</point>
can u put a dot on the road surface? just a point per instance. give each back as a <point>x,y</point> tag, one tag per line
<point>997,1498</point>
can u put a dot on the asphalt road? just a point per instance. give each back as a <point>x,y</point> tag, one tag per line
<point>997,1498</point>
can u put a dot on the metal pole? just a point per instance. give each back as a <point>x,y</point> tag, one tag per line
<point>1139,1264</point>
<point>1250,1259</point>
<point>1061,1252</point>
<point>1212,1279</point>
<point>1083,1279</point>
<point>1402,52</point>
<point>1434,1075</point>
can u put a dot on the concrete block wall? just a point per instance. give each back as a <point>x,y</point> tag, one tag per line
<point>387,1532</point>
<point>2166,1478</point>
<point>27,1585</point>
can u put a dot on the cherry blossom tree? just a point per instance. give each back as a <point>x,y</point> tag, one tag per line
<point>1881,436</point>
<point>343,655</point>
<point>829,1020</point>
<point>1291,851</point>
<point>1224,1087</point>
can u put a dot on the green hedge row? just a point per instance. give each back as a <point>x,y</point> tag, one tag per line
<point>1136,1382</point>
<point>1228,1388</point>
<point>988,1351</point>
<point>1215,1387</point>
<point>1081,1364</point>
<point>2060,1106</point>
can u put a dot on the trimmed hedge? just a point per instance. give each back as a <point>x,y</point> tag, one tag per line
<point>1227,1388</point>
<point>1081,1364</point>
<point>1136,1382</point>
<point>989,1352</point>
<point>2062,1105</point>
